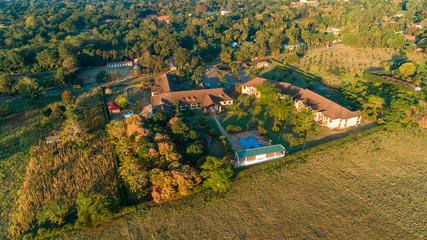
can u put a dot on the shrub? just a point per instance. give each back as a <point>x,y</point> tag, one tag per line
<point>95,209</point>
<point>233,128</point>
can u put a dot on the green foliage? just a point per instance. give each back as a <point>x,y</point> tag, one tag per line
<point>292,58</point>
<point>160,118</point>
<point>47,112</point>
<point>95,209</point>
<point>407,69</point>
<point>195,151</point>
<point>121,101</point>
<point>54,212</point>
<point>103,77</point>
<point>30,89</point>
<point>233,128</point>
<point>6,84</point>
<point>198,74</point>
<point>269,93</point>
<point>218,174</point>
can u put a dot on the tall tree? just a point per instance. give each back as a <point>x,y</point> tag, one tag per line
<point>30,89</point>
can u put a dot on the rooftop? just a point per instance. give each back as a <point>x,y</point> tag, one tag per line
<point>261,150</point>
<point>317,102</point>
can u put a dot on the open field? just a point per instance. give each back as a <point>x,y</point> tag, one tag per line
<point>20,131</point>
<point>88,75</point>
<point>352,61</point>
<point>370,188</point>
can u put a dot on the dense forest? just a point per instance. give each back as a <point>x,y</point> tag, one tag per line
<point>65,35</point>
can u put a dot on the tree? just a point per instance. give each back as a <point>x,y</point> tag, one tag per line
<point>47,112</point>
<point>217,174</point>
<point>115,76</point>
<point>54,212</point>
<point>221,77</point>
<point>195,151</point>
<point>121,101</point>
<point>30,89</point>
<point>103,77</point>
<point>95,209</point>
<point>73,129</point>
<point>181,56</point>
<point>198,74</point>
<point>67,97</point>
<point>305,122</point>
<point>3,108</point>
<point>47,59</point>
<point>269,93</point>
<point>6,84</point>
<point>408,69</point>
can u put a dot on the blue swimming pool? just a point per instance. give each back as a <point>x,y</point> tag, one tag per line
<point>251,142</point>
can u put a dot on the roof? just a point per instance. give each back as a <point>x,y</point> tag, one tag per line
<point>164,83</point>
<point>262,63</point>
<point>123,62</point>
<point>206,97</point>
<point>261,150</point>
<point>317,102</point>
<point>112,106</point>
<point>164,17</point>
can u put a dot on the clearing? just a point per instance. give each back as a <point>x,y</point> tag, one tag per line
<point>367,188</point>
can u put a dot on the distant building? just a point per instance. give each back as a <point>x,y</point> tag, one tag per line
<point>163,18</point>
<point>334,31</point>
<point>53,139</point>
<point>234,44</point>
<point>325,112</point>
<point>223,13</point>
<point>419,25</point>
<point>258,155</point>
<point>399,15</point>
<point>119,64</point>
<point>262,64</point>
<point>112,107</point>
<point>411,38</point>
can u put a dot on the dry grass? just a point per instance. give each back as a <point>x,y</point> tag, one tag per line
<point>88,75</point>
<point>371,188</point>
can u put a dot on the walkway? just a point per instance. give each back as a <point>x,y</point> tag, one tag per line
<point>231,139</point>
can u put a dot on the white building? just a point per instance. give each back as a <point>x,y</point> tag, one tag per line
<point>325,112</point>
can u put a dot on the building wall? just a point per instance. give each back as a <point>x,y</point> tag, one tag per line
<point>258,159</point>
<point>250,91</point>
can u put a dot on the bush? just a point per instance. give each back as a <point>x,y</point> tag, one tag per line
<point>262,130</point>
<point>95,209</point>
<point>233,128</point>
<point>292,58</point>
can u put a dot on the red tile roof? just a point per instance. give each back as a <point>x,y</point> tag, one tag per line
<point>112,106</point>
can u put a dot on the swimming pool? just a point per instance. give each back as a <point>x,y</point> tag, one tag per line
<point>251,142</point>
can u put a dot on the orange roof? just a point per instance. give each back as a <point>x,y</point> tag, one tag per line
<point>164,17</point>
<point>112,106</point>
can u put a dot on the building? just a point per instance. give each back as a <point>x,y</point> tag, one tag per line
<point>258,155</point>
<point>262,64</point>
<point>53,139</point>
<point>112,107</point>
<point>418,25</point>
<point>411,38</point>
<point>165,96</point>
<point>163,18</point>
<point>334,31</point>
<point>119,64</point>
<point>223,13</point>
<point>325,112</point>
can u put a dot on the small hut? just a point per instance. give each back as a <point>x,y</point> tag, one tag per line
<point>108,91</point>
<point>53,139</point>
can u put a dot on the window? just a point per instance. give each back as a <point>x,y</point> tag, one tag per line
<point>262,156</point>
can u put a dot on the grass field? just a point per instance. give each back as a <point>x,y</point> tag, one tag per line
<point>88,74</point>
<point>355,61</point>
<point>370,188</point>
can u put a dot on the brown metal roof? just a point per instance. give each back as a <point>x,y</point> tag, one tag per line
<point>205,97</point>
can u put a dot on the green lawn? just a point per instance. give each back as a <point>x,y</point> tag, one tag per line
<point>361,188</point>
